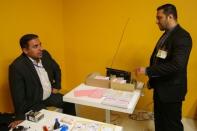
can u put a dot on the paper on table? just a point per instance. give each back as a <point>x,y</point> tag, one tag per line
<point>90,126</point>
<point>117,98</point>
<point>115,102</point>
<point>93,93</point>
<point>85,126</point>
<point>97,93</point>
<point>79,93</point>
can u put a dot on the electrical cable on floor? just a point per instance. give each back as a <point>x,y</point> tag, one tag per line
<point>117,116</point>
<point>142,115</point>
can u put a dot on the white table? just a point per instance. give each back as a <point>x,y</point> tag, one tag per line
<point>87,101</point>
<point>49,119</point>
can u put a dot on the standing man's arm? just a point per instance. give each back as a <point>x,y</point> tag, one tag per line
<point>180,55</point>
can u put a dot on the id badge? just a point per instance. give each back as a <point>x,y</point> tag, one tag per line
<point>162,54</point>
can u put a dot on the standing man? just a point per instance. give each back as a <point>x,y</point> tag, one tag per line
<point>35,79</point>
<point>168,70</point>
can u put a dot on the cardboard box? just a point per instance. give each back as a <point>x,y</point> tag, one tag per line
<point>122,86</point>
<point>92,81</point>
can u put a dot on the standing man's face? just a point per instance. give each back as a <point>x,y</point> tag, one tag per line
<point>162,20</point>
<point>34,49</point>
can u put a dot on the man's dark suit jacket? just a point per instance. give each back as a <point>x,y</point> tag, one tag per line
<point>25,85</point>
<point>168,77</point>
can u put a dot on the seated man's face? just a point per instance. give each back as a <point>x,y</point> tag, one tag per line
<point>34,49</point>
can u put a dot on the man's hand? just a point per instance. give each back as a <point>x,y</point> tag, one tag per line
<point>14,123</point>
<point>140,71</point>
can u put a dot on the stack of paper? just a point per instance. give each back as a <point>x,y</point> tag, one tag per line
<point>117,98</point>
<point>90,126</point>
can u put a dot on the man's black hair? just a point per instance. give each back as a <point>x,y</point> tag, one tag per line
<point>26,38</point>
<point>169,9</point>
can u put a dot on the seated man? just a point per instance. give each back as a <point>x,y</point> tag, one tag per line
<point>35,79</point>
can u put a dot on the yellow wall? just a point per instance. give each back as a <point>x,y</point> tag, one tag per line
<point>82,35</point>
<point>18,17</point>
<point>92,30</point>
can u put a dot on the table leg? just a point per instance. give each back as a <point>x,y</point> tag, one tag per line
<point>77,109</point>
<point>107,116</point>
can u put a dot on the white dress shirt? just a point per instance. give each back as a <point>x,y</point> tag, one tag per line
<point>44,79</point>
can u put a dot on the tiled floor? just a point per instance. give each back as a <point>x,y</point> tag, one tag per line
<point>132,125</point>
<point>127,123</point>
